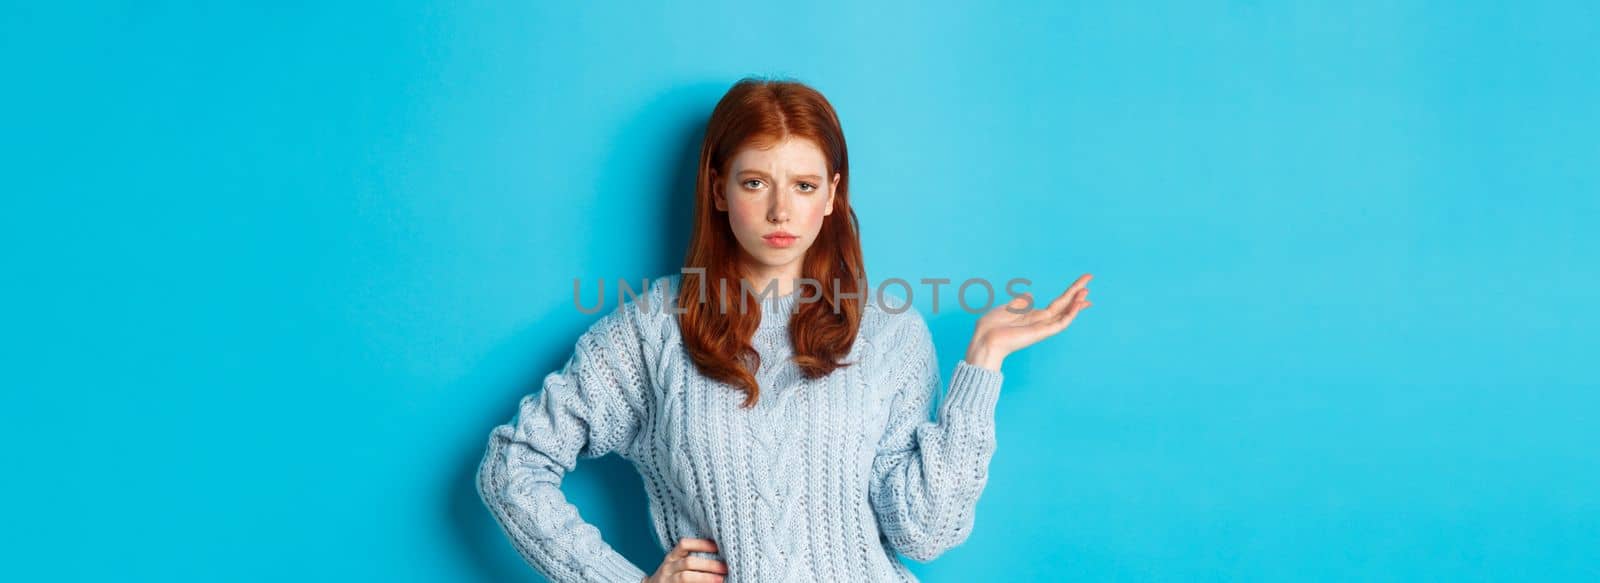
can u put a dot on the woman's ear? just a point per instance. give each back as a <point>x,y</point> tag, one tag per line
<point>717,198</point>
<point>832,189</point>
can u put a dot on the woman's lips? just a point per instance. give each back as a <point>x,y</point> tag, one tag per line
<point>780,240</point>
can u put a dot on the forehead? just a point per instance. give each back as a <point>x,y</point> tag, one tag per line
<point>793,155</point>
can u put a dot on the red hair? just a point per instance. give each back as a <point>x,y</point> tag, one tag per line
<point>756,112</point>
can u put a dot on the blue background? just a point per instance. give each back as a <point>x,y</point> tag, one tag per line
<point>274,272</point>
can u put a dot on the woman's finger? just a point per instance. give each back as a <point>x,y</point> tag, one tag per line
<point>704,565</point>
<point>1058,309</point>
<point>1067,297</point>
<point>1020,304</point>
<point>693,544</point>
<point>697,577</point>
<point>1065,319</point>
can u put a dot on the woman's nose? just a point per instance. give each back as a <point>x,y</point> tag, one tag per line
<point>779,211</point>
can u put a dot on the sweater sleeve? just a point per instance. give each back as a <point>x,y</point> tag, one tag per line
<point>589,408</point>
<point>927,475</point>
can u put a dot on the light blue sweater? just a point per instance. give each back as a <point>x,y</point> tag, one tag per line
<point>823,479</point>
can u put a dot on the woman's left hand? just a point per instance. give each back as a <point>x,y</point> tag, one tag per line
<point>1016,325</point>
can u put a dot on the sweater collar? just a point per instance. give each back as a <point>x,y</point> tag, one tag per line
<point>776,309</point>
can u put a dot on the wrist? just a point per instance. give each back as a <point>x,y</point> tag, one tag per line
<point>981,355</point>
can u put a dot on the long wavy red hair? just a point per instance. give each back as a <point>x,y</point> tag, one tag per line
<point>756,112</point>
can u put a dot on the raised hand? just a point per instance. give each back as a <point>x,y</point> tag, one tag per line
<point>1015,325</point>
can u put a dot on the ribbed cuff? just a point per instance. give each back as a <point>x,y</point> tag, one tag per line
<point>612,566</point>
<point>974,390</point>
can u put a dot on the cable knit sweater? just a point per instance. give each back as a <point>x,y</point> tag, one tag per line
<point>824,479</point>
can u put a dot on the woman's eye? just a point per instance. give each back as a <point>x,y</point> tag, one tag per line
<point>807,187</point>
<point>752,184</point>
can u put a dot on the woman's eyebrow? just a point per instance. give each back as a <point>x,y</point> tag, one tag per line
<point>811,177</point>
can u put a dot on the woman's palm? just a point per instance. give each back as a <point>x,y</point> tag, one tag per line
<point>1015,325</point>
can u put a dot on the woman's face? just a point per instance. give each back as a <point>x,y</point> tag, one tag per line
<point>783,189</point>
